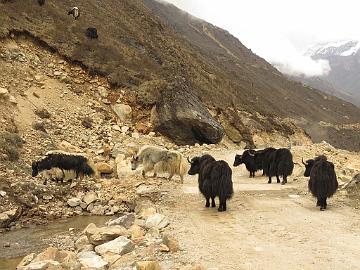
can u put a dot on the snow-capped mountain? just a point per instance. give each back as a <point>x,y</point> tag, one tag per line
<point>338,48</point>
<point>343,80</point>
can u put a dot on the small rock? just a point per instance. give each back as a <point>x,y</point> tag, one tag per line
<point>90,260</point>
<point>68,147</point>
<point>148,265</point>
<point>103,167</point>
<point>43,113</point>
<point>120,246</point>
<point>124,129</point>
<point>13,100</point>
<point>164,248</point>
<point>158,221</point>
<point>2,193</point>
<point>122,111</point>
<point>136,232</point>
<point>98,236</point>
<point>87,122</point>
<point>171,243</point>
<point>83,244</point>
<point>39,125</point>
<point>116,128</point>
<point>126,221</point>
<point>73,202</point>
<point>135,135</point>
<point>102,91</point>
<point>4,93</point>
<point>90,197</point>
<point>98,210</point>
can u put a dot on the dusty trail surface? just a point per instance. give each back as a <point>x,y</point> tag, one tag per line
<point>265,227</point>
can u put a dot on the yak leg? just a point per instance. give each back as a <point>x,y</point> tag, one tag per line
<point>322,204</point>
<point>207,202</point>
<point>143,173</point>
<point>284,180</point>
<point>182,178</point>
<point>325,203</point>
<point>222,206</point>
<point>318,202</point>
<point>277,179</point>
<point>170,176</point>
<point>213,204</point>
<point>269,182</point>
<point>250,174</point>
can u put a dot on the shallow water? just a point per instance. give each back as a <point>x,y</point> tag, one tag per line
<point>36,239</point>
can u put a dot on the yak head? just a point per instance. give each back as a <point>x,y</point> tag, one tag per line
<point>246,157</point>
<point>135,162</point>
<point>35,169</point>
<point>194,165</point>
<point>308,167</point>
<point>238,160</point>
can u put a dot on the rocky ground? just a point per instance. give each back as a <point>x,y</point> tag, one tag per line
<point>48,103</point>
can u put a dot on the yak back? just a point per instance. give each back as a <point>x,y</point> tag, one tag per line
<point>281,162</point>
<point>323,181</point>
<point>215,179</point>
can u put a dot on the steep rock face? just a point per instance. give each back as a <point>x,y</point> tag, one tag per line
<point>182,116</point>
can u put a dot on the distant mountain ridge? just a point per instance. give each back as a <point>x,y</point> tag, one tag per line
<point>343,80</point>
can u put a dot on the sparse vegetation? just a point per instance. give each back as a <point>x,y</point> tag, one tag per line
<point>9,146</point>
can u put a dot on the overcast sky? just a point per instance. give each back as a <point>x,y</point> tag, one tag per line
<point>280,30</point>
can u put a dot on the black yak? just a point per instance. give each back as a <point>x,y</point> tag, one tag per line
<point>41,2</point>
<point>280,164</point>
<point>75,12</point>
<point>65,161</point>
<point>91,32</point>
<point>253,160</point>
<point>323,182</point>
<point>214,179</point>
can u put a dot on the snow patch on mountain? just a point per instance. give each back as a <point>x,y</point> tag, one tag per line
<point>338,48</point>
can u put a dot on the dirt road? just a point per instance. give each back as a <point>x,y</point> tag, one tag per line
<point>265,227</point>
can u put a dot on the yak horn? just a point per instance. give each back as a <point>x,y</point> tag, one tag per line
<point>253,155</point>
<point>302,160</point>
<point>188,159</point>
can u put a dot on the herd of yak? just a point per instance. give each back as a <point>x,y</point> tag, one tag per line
<point>214,176</point>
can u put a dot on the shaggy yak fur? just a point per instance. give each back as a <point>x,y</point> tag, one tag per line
<point>148,156</point>
<point>91,32</point>
<point>323,182</point>
<point>173,163</point>
<point>75,12</point>
<point>64,161</point>
<point>253,160</point>
<point>214,179</point>
<point>280,164</point>
<point>58,175</point>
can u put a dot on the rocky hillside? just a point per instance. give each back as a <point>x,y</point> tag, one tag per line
<point>343,57</point>
<point>161,58</point>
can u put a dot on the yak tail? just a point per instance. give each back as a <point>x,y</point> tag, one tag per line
<point>225,184</point>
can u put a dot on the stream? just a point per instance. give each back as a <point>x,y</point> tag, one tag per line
<point>14,245</point>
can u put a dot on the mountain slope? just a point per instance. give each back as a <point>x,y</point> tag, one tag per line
<point>144,41</point>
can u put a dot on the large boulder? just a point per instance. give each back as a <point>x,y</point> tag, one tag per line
<point>181,116</point>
